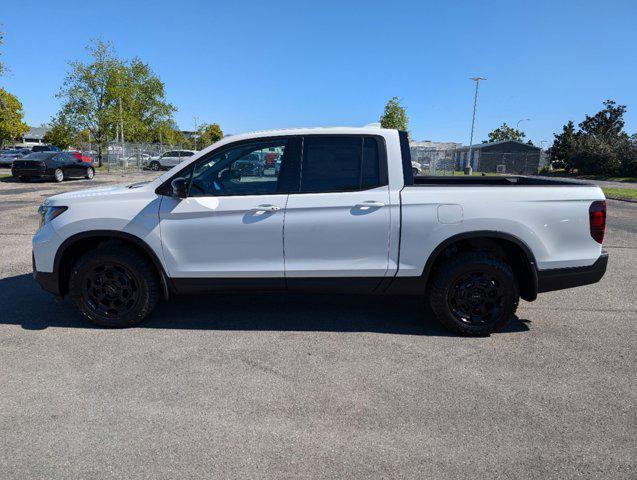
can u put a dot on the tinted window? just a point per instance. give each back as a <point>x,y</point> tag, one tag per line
<point>338,164</point>
<point>238,171</point>
<point>186,154</point>
<point>371,166</point>
<point>408,174</point>
<point>45,148</point>
<point>38,156</point>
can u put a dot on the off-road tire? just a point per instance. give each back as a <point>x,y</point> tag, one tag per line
<point>139,269</point>
<point>445,278</point>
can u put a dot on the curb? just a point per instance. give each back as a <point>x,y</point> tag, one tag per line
<point>622,199</point>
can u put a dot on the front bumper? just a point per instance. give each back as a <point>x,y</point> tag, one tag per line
<point>49,281</point>
<point>561,278</point>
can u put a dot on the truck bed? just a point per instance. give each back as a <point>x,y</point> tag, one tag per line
<point>495,180</point>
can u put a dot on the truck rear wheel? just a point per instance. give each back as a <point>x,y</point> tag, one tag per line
<point>474,293</point>
<point>114,286</point>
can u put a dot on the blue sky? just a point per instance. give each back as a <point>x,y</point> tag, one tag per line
<point>275,64</point>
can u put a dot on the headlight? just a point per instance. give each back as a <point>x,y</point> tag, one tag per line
<point>49,213</point>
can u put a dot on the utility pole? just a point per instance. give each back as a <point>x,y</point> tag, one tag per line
<point>467,168</point>
<point>195,135</point>
<point>121,130</point>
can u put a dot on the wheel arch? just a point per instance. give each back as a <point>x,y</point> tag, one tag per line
<point>77,245</point>
<point>510,247</point>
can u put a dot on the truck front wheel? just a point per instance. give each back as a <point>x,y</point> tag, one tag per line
<point>114,286</point>
<point>474,293</point>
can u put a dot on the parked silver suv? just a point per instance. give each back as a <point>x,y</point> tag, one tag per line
<point>170,159</point>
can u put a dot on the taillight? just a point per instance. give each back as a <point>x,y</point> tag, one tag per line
<point>597,220</point>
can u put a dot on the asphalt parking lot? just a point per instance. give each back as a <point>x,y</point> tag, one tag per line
<point>267,386</point>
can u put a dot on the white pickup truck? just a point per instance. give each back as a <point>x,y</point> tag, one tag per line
<point>343,213</point>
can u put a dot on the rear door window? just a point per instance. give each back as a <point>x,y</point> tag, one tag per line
<point>339,164</point>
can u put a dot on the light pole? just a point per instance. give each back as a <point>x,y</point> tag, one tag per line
<point>195,135</point>
<point>467,168</point>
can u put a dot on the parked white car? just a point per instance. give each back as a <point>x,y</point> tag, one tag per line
<point>170,159</point>
<point>342,214</point>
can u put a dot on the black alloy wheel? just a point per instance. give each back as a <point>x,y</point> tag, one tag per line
<point>110,290</point>
<point>114,286</point>
<point>476,298</point>
<point>474,293</point>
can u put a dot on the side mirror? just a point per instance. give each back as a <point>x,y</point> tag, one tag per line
<point>180,187</point>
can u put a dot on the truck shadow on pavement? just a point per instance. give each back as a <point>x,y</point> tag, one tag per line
<point>23,303</point>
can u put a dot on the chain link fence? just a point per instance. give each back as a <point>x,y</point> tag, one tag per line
<point>127,157</point>
<point>519,163</point>
<point>130,157</point>
<point>434,162</point>
<point>452,162</point>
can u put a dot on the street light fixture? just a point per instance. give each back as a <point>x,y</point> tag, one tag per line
<point>467,168</point>
<point>520,121</point>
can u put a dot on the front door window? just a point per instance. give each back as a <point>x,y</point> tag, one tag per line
<point>239,171</point>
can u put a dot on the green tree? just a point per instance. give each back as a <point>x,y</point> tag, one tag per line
<point>92,92</point>
<point>61,133</point>
<point>608,123</point>
<point>394,116</point>
<point>563,146</point>
<point>504,133</point>
<point>600,146</point>
<point>144,104</point>
<point>166,132</point>
<point>11,114</point>
<point>208,134</point>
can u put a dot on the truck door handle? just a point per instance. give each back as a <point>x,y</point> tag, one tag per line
<point>370,204</point>
<point>266,208</point>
